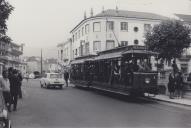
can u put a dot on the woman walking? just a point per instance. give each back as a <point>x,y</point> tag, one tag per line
<point>171,85</point>
<point>5,85</point>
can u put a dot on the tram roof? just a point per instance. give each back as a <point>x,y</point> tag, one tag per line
<point>83,59</point>
<point>142,52</point>
<point>109,55</point>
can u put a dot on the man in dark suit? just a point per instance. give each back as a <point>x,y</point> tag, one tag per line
<point>14,87</point>
<point>66,77</point>
<point>20,84</point>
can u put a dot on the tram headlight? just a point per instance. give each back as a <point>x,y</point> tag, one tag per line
<point>147,80</point>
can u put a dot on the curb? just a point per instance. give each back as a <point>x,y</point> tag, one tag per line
<point>171,102</point>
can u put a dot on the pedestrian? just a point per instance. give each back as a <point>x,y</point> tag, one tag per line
<point>20,78</point>
<point>14,88</point>
<point>171,85</point>
<point>27,77</point>
<point>189,77</point>
<point>5,86</point>
<point>179,85</point>
<point>66,77</point>
<point>175,67</point>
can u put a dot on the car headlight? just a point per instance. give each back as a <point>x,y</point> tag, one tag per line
<point>4,113</point>
<point>147,80</point>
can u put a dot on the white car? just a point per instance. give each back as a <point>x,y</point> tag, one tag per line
<point>52,80</point>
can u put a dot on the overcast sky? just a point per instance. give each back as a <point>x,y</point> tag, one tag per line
<point>45,23</point>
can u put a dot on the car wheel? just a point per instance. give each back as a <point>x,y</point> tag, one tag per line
<point>47,86</point>
<point>41,85</point>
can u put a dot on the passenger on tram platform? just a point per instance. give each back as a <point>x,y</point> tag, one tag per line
<point>116,72</point>
<point>135,66</point>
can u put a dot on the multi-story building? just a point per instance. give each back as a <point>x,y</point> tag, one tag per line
<point>10,54</point>
<point>33,64</point>
<point>110,29</point>
<point>65,53</point>
<point>50,65</point>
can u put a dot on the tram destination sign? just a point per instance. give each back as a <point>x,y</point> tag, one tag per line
<point>136,47</point>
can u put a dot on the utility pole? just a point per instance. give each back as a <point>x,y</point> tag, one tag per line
<point>41,62</point>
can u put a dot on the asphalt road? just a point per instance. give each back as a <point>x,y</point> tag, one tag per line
<point>72,107</point>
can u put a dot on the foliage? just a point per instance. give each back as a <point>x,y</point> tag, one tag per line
<point>5,11</point>
<point>169,39</point>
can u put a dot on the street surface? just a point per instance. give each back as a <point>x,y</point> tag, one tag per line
<point>72,107</point>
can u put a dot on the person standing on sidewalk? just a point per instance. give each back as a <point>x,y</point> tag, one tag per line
<point>66,77</point>
<point>14,88</point>
<point>175,67</point>
<point>20,78</point>
<point>5,86</point>
<point>179,85</point>
<point>171,85</point>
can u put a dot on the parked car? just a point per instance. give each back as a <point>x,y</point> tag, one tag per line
<point>52,80</point>
<point>5,121</point>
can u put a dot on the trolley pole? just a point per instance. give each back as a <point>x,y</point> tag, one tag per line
<point>41,63</point>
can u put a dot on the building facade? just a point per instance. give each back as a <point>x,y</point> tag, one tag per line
<point>110,29</point>
<point>10,54</point>
<point>65,53</point>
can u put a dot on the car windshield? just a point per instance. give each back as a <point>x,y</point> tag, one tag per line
<point>55,75</point>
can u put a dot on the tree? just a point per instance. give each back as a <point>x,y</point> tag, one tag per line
<point>169,39</point>
<point>5,11</point>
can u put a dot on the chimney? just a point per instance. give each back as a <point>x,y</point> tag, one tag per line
<point>85,15</point>
<point>103,10</point>
<point>91,13</point>
<point>117,10</point>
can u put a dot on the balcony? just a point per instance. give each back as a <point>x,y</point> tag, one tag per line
<point>3,57</point>
<point>15,52</point>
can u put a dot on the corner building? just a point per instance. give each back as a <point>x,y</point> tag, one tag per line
<point>110,29</point>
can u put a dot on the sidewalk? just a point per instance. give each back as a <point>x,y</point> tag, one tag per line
<point>165,98</point>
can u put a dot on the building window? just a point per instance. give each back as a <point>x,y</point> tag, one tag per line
<point>136,42</point>
<point>76,52</point>
<point>87,48</point>
<point>73,38</point>
<point>96,45</point>
<point>76,36</point>
<point>96,26</point>
<point>110,44</point>
<point>136,29</point>
<point>73,53</point>
<point>110,25</point>
<point>124,43</point>
<point>82,31</point>
<point>147,28</point>
<point>124,26</point>
<point>87,28</point>
<point>78,33</point>
<point>61,52</point>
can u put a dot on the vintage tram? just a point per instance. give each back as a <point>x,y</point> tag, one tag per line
<point>124,70</point>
